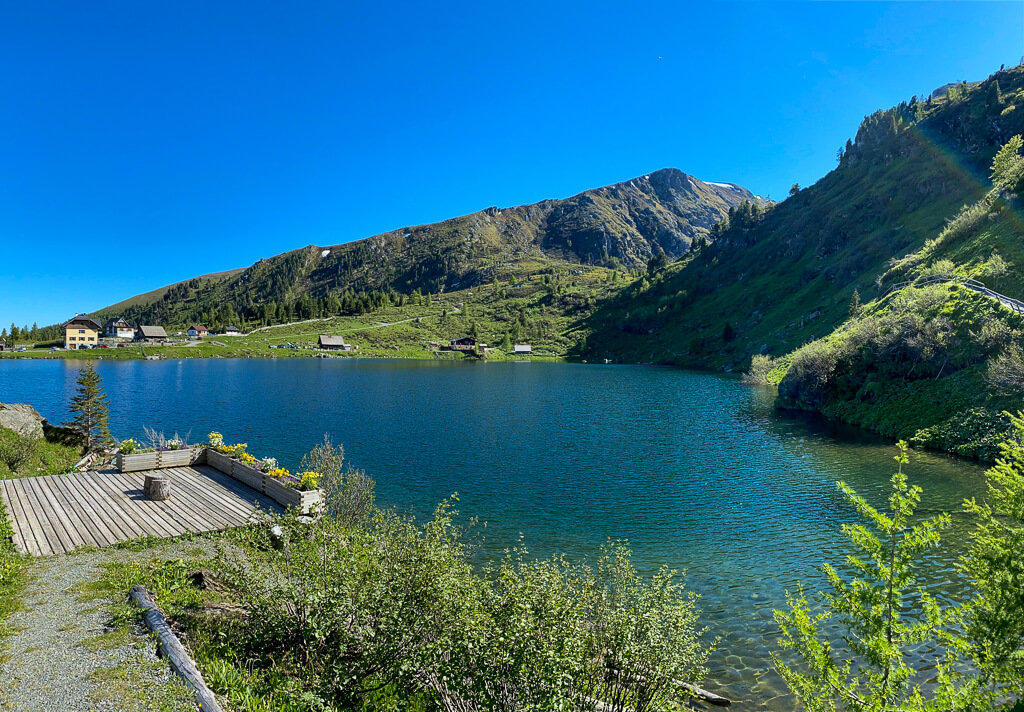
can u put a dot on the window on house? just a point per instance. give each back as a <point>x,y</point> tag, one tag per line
<point>81,331</point>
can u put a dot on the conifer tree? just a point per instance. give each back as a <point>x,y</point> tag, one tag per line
<point>856,308</point>
<point>884,618</point>
<point>90,406</point>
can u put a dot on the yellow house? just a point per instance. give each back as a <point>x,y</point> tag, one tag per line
<point>82,333</point>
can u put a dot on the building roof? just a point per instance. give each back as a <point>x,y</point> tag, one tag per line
<point>328,340</point>
<point>85,321</point>
<point>464,340</point>
<point>198,327</point>
<point>116,321</point>
<point>152,332</point>
<point>230,328</point>
<point>521,348</point>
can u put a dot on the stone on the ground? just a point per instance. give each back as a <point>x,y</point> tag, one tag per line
<point>22,419</point>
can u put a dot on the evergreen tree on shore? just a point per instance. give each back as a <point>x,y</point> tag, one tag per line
<point>90,406</point>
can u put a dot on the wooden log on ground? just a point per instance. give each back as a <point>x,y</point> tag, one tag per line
<point>172,649</point>
<point>157,487</point>
<point>704,696</point>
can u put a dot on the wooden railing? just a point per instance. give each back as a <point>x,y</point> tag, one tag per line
<point>972,284</point>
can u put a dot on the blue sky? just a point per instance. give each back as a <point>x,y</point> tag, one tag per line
<point>143,143</point>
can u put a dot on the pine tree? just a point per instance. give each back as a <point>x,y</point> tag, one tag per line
<point>883,620</point>
<point>727,332</point>
<point>90,406</point>
<point>856,308</point>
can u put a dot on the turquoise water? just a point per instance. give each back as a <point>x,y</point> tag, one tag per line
<point>694,469</point>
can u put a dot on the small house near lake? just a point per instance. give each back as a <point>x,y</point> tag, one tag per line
<point>232,331</point>
<point>82,332</point>
<point>522,349</point>
<point>334,343</point>
<point>197,331</point>
<point>151,334</point>
<point>466,343</point>
<point>118,328</point>
<point>3,345</point>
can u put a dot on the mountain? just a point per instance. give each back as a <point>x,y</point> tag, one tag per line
<point>910,198</point>
<point>622,225</point>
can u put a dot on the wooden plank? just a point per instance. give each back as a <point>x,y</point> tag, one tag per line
<point>170,511</point>
<point>221,494</point>
<point>62,521</point>
<point>189,507</point>
<point>145,509</point>
<point>118,520</point>
<point>18,522</point>
<point>243,492</point>
<point>76,526</point>
<point>103,508</point>
<point>223,504</point>
<point>45,536</point>
<point>114,490</point>
<point>105,531</point>
<point>53,530</point>
<point>93,525</point>
<point>218,501</point>
<point>31,525</point>
<point>141,507</point>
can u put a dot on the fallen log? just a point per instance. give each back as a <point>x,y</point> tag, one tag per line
<point>703,695</point>
<point>171,648</point>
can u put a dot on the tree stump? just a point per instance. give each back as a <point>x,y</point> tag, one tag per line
<point>157,487</point>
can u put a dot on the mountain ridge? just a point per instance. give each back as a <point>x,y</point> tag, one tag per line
<point>622,226</point>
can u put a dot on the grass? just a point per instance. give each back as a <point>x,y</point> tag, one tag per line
<point>13,576</point>
<point>130,687</point>
<point>24,457</point>
<point>542,309</point>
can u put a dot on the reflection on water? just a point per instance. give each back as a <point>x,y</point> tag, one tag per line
<point>694,469</point>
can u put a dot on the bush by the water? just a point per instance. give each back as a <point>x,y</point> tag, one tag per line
<point>373,610</point>
<point>922,365</point>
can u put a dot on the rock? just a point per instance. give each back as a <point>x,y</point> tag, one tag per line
<point>277,537</point>
<point>22,419</point>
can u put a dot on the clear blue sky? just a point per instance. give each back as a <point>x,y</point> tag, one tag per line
<point>142,143</point>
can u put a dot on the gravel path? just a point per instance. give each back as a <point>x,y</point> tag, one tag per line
<point>56,663</point>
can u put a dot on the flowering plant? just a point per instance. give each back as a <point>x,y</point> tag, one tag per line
<point>267,464</point>
<point>235,451</point>
<point>248,459</point>
<point>308,481</point>
<point>279,473</point>
<point>216,439</point>
<point>129,446</point>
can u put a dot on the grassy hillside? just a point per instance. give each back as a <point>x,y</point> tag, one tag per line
<point>910,198</point>
<point>546,309</point>
<point>783,276</point>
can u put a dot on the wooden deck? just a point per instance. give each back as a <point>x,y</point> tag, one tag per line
<point>57,514</point>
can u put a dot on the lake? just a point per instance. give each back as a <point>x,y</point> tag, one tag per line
<point>694,469</point>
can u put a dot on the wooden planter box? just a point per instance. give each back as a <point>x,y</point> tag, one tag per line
<point>289,496</point>
<point>219,461</point>
<point>160,459</point>
<point>262,482</point>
